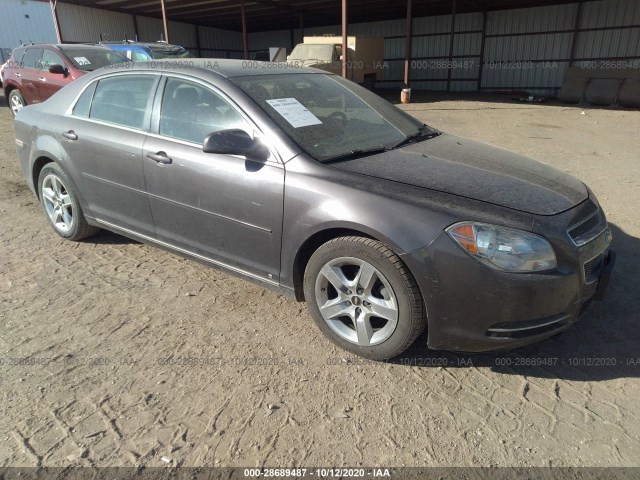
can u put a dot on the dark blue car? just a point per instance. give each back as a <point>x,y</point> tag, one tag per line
<point>140,52</point>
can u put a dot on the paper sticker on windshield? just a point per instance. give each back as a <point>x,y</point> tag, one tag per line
<point>294,112</point>
<point>82,61</point>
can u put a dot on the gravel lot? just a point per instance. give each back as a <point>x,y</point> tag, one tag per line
<point>113,353</point>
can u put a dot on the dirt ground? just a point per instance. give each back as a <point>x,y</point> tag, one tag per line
<point>113,353</point>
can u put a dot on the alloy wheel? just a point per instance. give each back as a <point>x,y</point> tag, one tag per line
<point>356,301</point>
<point>17,104</point>
<point>57,203</point>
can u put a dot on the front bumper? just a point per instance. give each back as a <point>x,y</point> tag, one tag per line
<point>474,308</point>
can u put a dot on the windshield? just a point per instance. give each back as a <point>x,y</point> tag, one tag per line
<point>305,51</point>
<point>329,117</point>
<point>89,59</point>
<point>170,52</point>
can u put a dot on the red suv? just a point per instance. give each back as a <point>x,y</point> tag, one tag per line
<point>35,72</point>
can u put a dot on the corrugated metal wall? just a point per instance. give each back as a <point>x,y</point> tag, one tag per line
<point>527,48</point>
<point>217,43</point>
<point>24,21</point>
<point>523,48</point>
<point>83,24</point>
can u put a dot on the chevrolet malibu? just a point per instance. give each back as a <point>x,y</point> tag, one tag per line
<point>309,184</point>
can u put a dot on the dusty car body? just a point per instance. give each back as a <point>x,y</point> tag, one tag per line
<point>484,248</point>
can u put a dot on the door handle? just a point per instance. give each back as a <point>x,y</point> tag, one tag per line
<point>160,157</point>
<point>70,135</point>
<point>18,75</point>
<point>42,79</point>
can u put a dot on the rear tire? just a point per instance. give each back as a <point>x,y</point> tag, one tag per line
<point>363,297</point>
<point>61,206</point>
<point>16,101</point>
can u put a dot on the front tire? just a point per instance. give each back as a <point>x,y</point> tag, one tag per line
<point>16,101</point>
<point>61,206</point>
<point>362,296</point>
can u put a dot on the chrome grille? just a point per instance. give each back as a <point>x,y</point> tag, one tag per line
<point>592,269</point>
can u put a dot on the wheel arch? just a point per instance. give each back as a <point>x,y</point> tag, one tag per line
<point>317,239</point>
<point>37,167</point>
<point>43,159</point>
<point>8,87</point>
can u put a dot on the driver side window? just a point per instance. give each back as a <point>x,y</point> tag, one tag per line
<point>50,58</point>
<point>191,111</point>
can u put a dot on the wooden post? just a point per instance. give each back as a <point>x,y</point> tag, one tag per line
<point>164,22</point>
<point>407,43</point>
<point>245,35</point>
<point>344,38</point>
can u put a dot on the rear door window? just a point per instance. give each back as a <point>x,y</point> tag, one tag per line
<point>16,56</point>
<point>123,100</point>
<point>32,58</point>
<point>83,105</point>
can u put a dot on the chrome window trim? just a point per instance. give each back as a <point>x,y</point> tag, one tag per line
<point>277,159</point>
<point>69,111</point>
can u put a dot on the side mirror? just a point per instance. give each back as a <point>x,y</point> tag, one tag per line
<point>235,142</point>
<point>57,69</point>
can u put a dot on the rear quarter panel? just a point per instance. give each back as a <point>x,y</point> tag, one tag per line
<point>38,133</point>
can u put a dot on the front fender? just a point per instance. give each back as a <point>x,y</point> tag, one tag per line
<point>319,198</point>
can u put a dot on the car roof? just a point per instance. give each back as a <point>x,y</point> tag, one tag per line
<point>64,46</point>
<point>144,44</point>
<point>225,67</point>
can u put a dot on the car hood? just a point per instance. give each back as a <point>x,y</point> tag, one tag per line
<point>475,170</point>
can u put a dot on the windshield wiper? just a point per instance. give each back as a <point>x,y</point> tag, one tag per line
<point>356,154</point>
<point>420,133</point>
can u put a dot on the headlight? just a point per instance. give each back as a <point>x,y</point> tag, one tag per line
<point>504,248</point>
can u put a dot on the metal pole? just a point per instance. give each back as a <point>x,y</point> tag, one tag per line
<point>198,49</point>
<point>135,27</point>
<point>407,43</point>
<point>453,31</point>
<point>344,38</point>
<point>54,13</point>
<point>574,38</point>
<point>164,22</point>
<point>481,60</point>
<point>245,36</point>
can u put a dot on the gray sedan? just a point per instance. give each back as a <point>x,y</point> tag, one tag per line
<point>309,184</point>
